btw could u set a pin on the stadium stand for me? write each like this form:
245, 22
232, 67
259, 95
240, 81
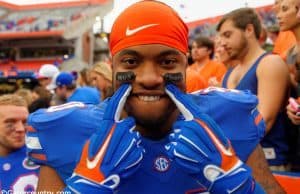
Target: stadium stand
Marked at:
60, 33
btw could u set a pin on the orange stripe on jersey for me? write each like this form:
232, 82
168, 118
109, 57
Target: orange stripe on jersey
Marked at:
258, 118
86, 166
30, 129
229, 159
39, 156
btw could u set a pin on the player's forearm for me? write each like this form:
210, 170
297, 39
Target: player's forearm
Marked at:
262, 173
49, 180
269, 119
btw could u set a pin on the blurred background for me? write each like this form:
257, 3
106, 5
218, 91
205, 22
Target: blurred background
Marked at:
73, 34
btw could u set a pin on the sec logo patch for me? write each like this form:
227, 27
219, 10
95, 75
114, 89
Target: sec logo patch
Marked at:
161, 164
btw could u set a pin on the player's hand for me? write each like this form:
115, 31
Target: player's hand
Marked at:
199, 146
112, 153
293, 112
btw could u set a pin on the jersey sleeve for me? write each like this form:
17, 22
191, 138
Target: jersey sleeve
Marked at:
237, 115
56, 135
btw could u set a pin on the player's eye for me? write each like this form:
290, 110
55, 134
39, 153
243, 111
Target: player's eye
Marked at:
227, 34
129, 62
10, 125
284, 8
168, 62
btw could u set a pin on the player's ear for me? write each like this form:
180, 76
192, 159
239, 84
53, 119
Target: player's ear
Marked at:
249, 30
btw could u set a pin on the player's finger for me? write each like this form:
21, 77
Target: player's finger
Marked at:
185, 104
116, 103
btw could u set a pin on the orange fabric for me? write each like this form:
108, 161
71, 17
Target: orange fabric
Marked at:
83, 167
151, 27
30, 129
39, 156
283, 43
210, 69
194, 81
289, 183
258, 118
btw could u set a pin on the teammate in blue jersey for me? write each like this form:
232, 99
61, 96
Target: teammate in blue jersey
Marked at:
17, 173
56, 135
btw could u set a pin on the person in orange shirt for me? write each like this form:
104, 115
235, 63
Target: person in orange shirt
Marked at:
202, 53
195, 81
285, 39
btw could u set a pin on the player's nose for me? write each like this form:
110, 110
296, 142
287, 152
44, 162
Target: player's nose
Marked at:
20, 127
149, 76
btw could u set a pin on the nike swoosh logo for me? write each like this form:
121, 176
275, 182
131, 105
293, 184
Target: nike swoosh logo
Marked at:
221, 147
93, 163
167, 147
130, 32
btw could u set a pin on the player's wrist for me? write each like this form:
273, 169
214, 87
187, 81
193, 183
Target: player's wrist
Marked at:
77, 184
238, 180
87, 189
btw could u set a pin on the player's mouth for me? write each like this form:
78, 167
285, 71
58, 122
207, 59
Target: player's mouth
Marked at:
19, 138
148, 98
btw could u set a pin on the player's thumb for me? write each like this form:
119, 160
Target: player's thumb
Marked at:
116, 103
185, 104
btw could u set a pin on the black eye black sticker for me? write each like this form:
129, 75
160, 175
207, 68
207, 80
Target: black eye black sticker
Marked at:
125, 76
173, 77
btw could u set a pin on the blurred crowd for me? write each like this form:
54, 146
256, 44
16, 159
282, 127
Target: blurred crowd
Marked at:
55, 87
39, 20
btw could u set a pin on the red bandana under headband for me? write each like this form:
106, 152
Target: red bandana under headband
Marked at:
148, 22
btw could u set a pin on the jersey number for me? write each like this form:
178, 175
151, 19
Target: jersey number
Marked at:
25, 183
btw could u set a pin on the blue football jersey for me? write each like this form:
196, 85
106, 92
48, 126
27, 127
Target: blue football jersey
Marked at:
161, 175
17, 173
236, 113
55, 136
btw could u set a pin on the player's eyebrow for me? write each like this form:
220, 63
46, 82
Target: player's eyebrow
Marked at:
128, 52
169, 52
8, 120
161, 54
